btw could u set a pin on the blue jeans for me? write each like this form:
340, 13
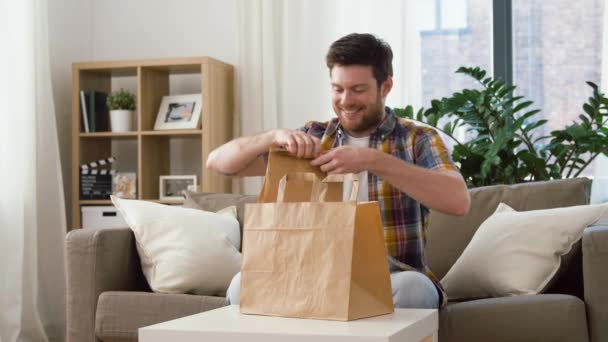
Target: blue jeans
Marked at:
411, 290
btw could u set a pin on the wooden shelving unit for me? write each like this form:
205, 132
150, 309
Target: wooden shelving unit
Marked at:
153, 81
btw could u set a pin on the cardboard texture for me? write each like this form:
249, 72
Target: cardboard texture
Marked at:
307, 254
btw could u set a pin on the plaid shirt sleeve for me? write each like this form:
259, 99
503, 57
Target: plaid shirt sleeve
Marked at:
430, 151
306, 128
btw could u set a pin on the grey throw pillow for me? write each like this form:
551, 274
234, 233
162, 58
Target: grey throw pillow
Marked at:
212, 201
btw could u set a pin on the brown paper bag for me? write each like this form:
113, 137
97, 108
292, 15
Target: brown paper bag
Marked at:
309, 255
279, 164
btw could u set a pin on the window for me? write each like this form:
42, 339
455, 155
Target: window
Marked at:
556, 48
443, 52
442, 16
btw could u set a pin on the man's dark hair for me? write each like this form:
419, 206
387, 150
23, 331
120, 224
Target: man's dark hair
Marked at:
362, 49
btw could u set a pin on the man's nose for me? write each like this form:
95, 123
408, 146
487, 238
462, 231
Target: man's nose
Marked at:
346, 99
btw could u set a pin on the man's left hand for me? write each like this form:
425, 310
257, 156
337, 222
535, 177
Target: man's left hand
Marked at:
344, 159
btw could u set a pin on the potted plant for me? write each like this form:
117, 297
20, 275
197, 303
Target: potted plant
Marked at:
122, 106
505, 147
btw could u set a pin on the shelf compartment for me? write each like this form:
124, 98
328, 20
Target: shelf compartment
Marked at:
103, 79
100, 146
123, 149
168, 155
94, 149
157, 81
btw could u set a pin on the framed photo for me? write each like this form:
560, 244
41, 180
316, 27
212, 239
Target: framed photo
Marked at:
172, 187
179, 112
124, 185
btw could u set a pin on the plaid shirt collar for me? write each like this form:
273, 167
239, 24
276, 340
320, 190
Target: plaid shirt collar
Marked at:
383, 131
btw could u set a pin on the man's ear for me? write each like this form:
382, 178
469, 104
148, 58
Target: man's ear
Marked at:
386, 86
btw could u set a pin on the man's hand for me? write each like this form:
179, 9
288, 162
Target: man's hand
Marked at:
344, 159
297, 143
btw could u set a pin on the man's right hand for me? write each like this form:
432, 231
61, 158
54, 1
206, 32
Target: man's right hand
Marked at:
243, 156
297, 143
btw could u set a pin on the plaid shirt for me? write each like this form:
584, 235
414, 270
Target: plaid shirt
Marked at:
404, 219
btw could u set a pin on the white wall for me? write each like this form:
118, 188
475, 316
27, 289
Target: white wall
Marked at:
137, 29
69, 41
86, 30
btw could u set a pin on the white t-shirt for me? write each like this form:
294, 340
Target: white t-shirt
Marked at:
362, 196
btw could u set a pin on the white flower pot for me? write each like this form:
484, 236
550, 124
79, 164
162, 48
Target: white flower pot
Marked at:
121, 120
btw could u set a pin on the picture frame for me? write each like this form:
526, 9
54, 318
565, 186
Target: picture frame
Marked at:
124, 185
179, 112
172, 187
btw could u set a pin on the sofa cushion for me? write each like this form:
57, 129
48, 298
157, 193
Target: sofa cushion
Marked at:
211, 201
547, 317
447, 236
184, 250
120, 314
517, 253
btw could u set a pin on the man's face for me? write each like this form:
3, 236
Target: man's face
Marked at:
356, 99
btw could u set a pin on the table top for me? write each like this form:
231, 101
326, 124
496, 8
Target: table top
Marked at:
228, 324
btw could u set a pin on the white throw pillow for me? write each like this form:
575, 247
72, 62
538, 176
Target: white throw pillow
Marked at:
517, 253
184, 250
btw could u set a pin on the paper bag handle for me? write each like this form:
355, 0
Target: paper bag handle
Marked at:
321, 195
294, 176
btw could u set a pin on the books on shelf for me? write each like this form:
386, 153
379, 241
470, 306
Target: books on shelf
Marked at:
85, 115
95, 113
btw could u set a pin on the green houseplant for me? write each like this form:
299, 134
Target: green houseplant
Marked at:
505, 147
122, 106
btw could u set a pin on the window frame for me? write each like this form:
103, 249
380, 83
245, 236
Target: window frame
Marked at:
502, 45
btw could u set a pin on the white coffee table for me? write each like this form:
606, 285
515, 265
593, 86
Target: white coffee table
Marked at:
229, 325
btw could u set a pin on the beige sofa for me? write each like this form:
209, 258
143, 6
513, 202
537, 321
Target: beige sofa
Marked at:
108, 298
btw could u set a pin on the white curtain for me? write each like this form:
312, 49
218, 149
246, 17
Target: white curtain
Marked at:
282, 77
32, 209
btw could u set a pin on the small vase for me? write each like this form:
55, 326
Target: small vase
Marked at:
121, 120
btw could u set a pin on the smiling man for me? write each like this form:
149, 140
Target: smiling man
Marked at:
403, 166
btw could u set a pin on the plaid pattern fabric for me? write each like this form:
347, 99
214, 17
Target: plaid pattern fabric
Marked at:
404, 218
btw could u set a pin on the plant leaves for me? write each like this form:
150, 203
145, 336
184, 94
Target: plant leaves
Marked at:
504, 144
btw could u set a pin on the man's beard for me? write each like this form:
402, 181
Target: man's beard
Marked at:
369, 120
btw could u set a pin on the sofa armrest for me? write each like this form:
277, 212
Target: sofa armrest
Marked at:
97, 260
595, 279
